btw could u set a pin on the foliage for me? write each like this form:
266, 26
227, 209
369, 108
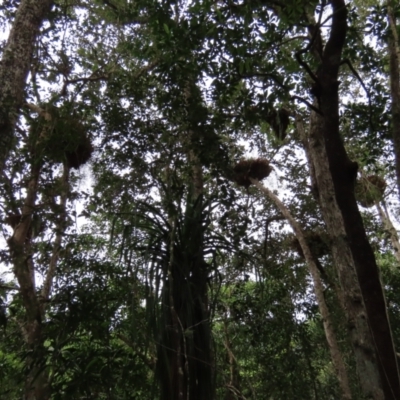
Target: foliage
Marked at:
160, 88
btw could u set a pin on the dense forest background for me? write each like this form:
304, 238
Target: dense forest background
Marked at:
199, 199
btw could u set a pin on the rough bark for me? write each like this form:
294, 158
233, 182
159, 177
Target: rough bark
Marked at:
303, 136
15, 65
394, 73
352, 299
336, 355
335, 175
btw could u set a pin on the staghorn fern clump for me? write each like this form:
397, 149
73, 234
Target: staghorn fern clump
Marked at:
258, 168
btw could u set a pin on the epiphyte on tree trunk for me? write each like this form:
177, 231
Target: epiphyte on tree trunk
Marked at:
258, 168
370, 190
279, 122
62, 137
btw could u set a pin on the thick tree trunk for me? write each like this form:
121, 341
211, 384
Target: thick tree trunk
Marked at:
335, 175
357, 321
336, 355
201, 372
189, 337
170, 366
15, 65
185, 352
394, 68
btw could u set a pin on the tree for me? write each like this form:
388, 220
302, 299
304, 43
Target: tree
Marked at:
180, 276
343, 219
394, 68
15, 66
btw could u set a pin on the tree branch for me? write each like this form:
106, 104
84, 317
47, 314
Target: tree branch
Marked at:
60, 229
318, 289
318, 111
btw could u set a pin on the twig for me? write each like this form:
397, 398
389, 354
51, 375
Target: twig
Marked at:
307, 103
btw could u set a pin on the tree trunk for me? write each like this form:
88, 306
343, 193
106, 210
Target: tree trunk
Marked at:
336, 355
354, 307
15, 65
201, 360
185, 353
37, 385
36, 381
233, 386
188, 340
394, 72
335, 176
390, 229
